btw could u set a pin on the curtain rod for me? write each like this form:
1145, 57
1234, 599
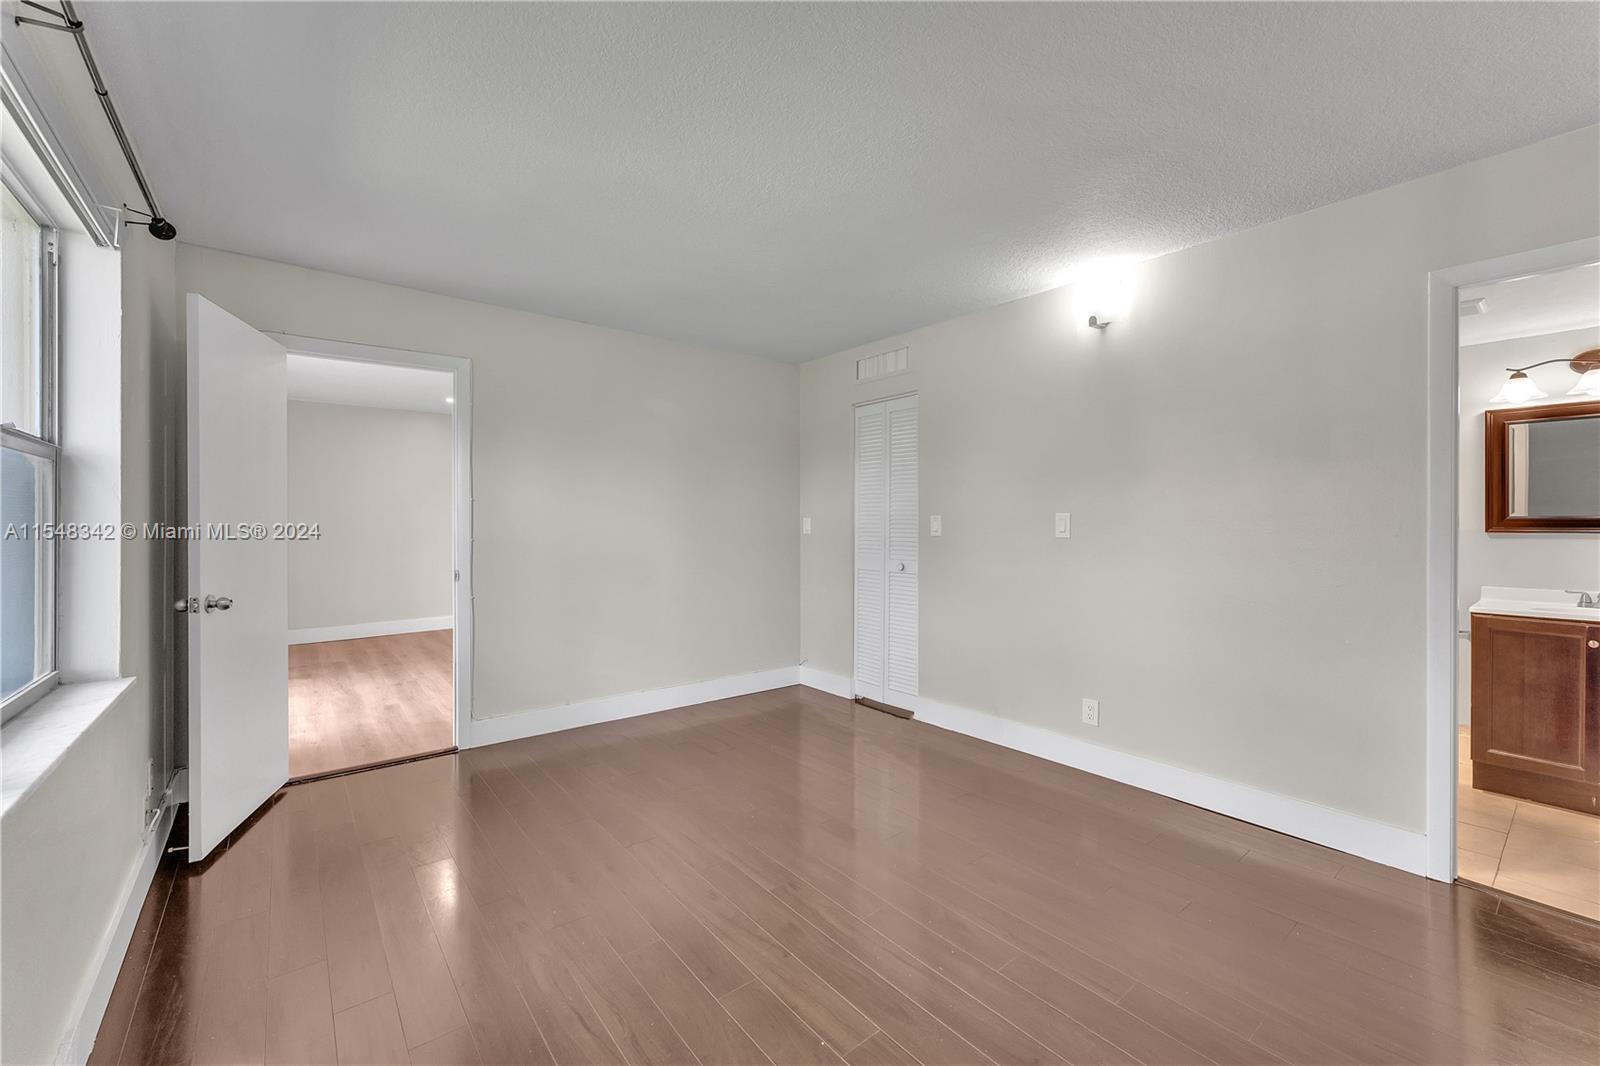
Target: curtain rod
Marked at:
159, 227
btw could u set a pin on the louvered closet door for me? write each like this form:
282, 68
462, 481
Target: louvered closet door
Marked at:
900, 643
887, 527
872, 533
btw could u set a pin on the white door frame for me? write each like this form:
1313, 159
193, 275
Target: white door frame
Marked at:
461, 369
1443, 521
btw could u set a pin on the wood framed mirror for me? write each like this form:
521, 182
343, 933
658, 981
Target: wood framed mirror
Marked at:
1542, 468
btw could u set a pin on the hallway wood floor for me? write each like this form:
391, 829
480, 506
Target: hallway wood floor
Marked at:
371, 700
789, 878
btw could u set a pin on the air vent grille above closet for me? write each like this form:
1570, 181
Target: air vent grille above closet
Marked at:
882, 365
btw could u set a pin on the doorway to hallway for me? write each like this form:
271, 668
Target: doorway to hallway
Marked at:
371, 590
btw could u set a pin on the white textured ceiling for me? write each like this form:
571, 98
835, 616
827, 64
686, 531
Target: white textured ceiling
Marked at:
348, 381
794, 179
1534, 305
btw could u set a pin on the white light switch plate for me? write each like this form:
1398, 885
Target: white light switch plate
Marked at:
805, 525
1063, 524
935, 525
1091, 712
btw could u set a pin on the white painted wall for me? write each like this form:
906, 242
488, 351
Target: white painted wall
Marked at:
1244, 459
377, 483
634, 498
67, 853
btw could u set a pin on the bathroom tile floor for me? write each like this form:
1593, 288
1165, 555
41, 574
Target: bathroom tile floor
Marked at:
1542, 853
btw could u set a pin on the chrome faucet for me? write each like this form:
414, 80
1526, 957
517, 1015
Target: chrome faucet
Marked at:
1586, 599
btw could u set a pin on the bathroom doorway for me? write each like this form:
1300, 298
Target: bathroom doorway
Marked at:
1526, 580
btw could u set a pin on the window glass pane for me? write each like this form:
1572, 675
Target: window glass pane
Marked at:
21, 317
27, 491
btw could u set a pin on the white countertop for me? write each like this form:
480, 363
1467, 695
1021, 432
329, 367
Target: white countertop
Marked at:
1534, 603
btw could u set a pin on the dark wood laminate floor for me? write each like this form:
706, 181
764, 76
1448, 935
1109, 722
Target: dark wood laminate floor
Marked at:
789, 878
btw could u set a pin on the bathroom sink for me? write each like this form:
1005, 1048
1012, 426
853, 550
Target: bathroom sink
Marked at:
1546, 606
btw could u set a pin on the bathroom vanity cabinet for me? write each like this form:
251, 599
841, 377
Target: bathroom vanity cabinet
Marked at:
1536, 709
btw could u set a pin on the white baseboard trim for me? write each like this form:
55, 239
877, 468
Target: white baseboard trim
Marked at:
1350, 833
90, 1009
834, 684
321, 634
535, 723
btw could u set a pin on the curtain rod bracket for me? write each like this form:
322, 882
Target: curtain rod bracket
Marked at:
22, 21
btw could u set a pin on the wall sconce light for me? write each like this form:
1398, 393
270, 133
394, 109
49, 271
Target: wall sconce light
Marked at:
1520, 388
1587, 364
1102, 291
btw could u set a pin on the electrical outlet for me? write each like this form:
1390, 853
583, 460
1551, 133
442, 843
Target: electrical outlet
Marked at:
805, 526
935, 525
1063, 525
1091, 712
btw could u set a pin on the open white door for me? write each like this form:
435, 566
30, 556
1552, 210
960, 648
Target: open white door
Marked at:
238, 573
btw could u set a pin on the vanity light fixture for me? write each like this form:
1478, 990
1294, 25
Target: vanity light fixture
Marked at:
1520, 388
1588, 385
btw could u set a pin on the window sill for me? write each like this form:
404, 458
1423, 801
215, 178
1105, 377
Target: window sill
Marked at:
36, 741
28, 695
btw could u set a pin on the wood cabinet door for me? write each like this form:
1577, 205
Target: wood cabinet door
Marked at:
1534, 696
1592, 705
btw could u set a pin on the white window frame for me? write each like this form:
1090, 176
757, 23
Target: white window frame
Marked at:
45, 446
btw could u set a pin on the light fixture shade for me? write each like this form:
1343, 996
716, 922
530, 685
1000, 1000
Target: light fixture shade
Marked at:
1103, 290
1588, 384
1519, 388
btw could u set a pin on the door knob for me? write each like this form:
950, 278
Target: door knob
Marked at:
217, 603
186, 605
1594, 644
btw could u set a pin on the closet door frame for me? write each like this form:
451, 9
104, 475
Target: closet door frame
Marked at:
881, 694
